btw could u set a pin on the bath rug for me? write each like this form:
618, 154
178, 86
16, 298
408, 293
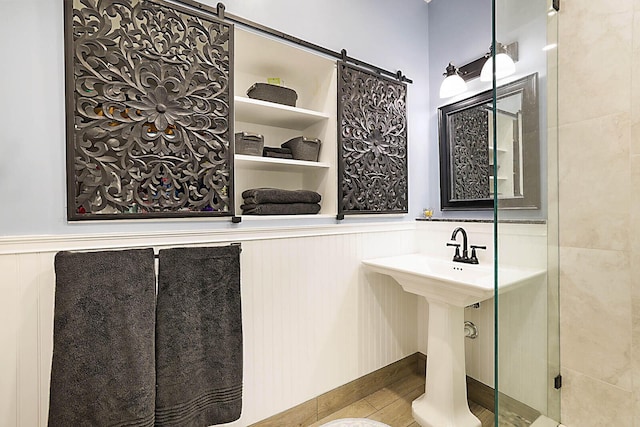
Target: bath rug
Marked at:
354, 422
198, 337
280, 209
277, 195
103, 371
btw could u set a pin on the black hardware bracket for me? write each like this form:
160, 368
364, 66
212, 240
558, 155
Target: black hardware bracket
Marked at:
220, 11
472, 69
236, 219
557, 382
556, 5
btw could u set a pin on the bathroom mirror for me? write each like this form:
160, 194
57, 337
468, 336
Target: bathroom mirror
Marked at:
467, 169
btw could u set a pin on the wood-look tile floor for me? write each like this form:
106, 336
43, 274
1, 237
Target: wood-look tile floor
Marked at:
392, 405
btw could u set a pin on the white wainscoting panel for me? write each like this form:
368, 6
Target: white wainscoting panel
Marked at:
312, 319
9, 319
26, 338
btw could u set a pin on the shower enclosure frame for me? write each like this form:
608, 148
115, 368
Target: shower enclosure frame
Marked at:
508, 22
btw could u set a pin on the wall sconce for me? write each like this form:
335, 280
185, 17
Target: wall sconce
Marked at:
504, 65
453, 84
482, 67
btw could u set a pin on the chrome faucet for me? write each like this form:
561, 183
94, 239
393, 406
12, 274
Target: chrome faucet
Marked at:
465, 251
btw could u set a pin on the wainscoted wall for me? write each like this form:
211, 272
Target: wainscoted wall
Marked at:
312, 318
522, 319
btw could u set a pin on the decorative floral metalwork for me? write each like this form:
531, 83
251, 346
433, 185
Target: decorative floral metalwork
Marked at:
372, 116
470, 154
148, 104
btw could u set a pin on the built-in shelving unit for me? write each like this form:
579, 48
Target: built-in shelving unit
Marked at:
313, 77
504, 151
500, 151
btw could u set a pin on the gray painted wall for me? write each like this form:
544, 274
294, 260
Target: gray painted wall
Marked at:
460, 32
392, 35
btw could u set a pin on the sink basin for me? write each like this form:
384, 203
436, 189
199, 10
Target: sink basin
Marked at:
449, 282
448, 287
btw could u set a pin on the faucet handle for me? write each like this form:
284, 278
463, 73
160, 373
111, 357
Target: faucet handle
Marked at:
457, 254
474, 258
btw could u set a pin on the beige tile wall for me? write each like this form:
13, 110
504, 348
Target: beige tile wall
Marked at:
599, 211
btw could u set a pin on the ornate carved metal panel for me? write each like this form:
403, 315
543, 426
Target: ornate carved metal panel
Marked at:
149, 110
372, 143
470, 154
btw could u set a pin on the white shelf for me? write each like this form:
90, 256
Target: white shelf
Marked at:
264, 217
278, 115
272, 163
500, 178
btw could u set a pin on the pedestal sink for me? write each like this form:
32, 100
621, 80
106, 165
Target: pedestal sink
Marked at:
448, 287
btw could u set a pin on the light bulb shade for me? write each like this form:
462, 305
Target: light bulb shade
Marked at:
504, 67
451, 86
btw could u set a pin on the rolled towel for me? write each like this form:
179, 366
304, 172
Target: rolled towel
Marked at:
199, 337
256, 196
280, 208
103, 370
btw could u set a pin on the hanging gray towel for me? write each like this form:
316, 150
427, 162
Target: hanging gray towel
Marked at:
198, 337
103, 371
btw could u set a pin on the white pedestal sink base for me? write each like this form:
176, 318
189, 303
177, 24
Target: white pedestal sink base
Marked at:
448, 287
445, 402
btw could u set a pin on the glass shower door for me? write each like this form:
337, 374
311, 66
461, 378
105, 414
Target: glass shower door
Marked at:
523, 131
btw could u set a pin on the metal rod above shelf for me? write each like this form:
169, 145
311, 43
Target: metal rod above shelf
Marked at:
221, 13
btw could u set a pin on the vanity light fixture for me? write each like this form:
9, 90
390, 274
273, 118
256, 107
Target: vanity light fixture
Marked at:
504, 65
506, 58
453, 84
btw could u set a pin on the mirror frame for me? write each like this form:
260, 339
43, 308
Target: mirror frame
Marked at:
528, 87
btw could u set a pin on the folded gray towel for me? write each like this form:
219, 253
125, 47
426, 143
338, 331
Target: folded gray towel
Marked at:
276, 150
277, 155
280, 208
103, 371
276, 195
198, 337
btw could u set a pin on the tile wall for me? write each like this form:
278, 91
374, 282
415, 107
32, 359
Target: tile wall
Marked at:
599, 219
